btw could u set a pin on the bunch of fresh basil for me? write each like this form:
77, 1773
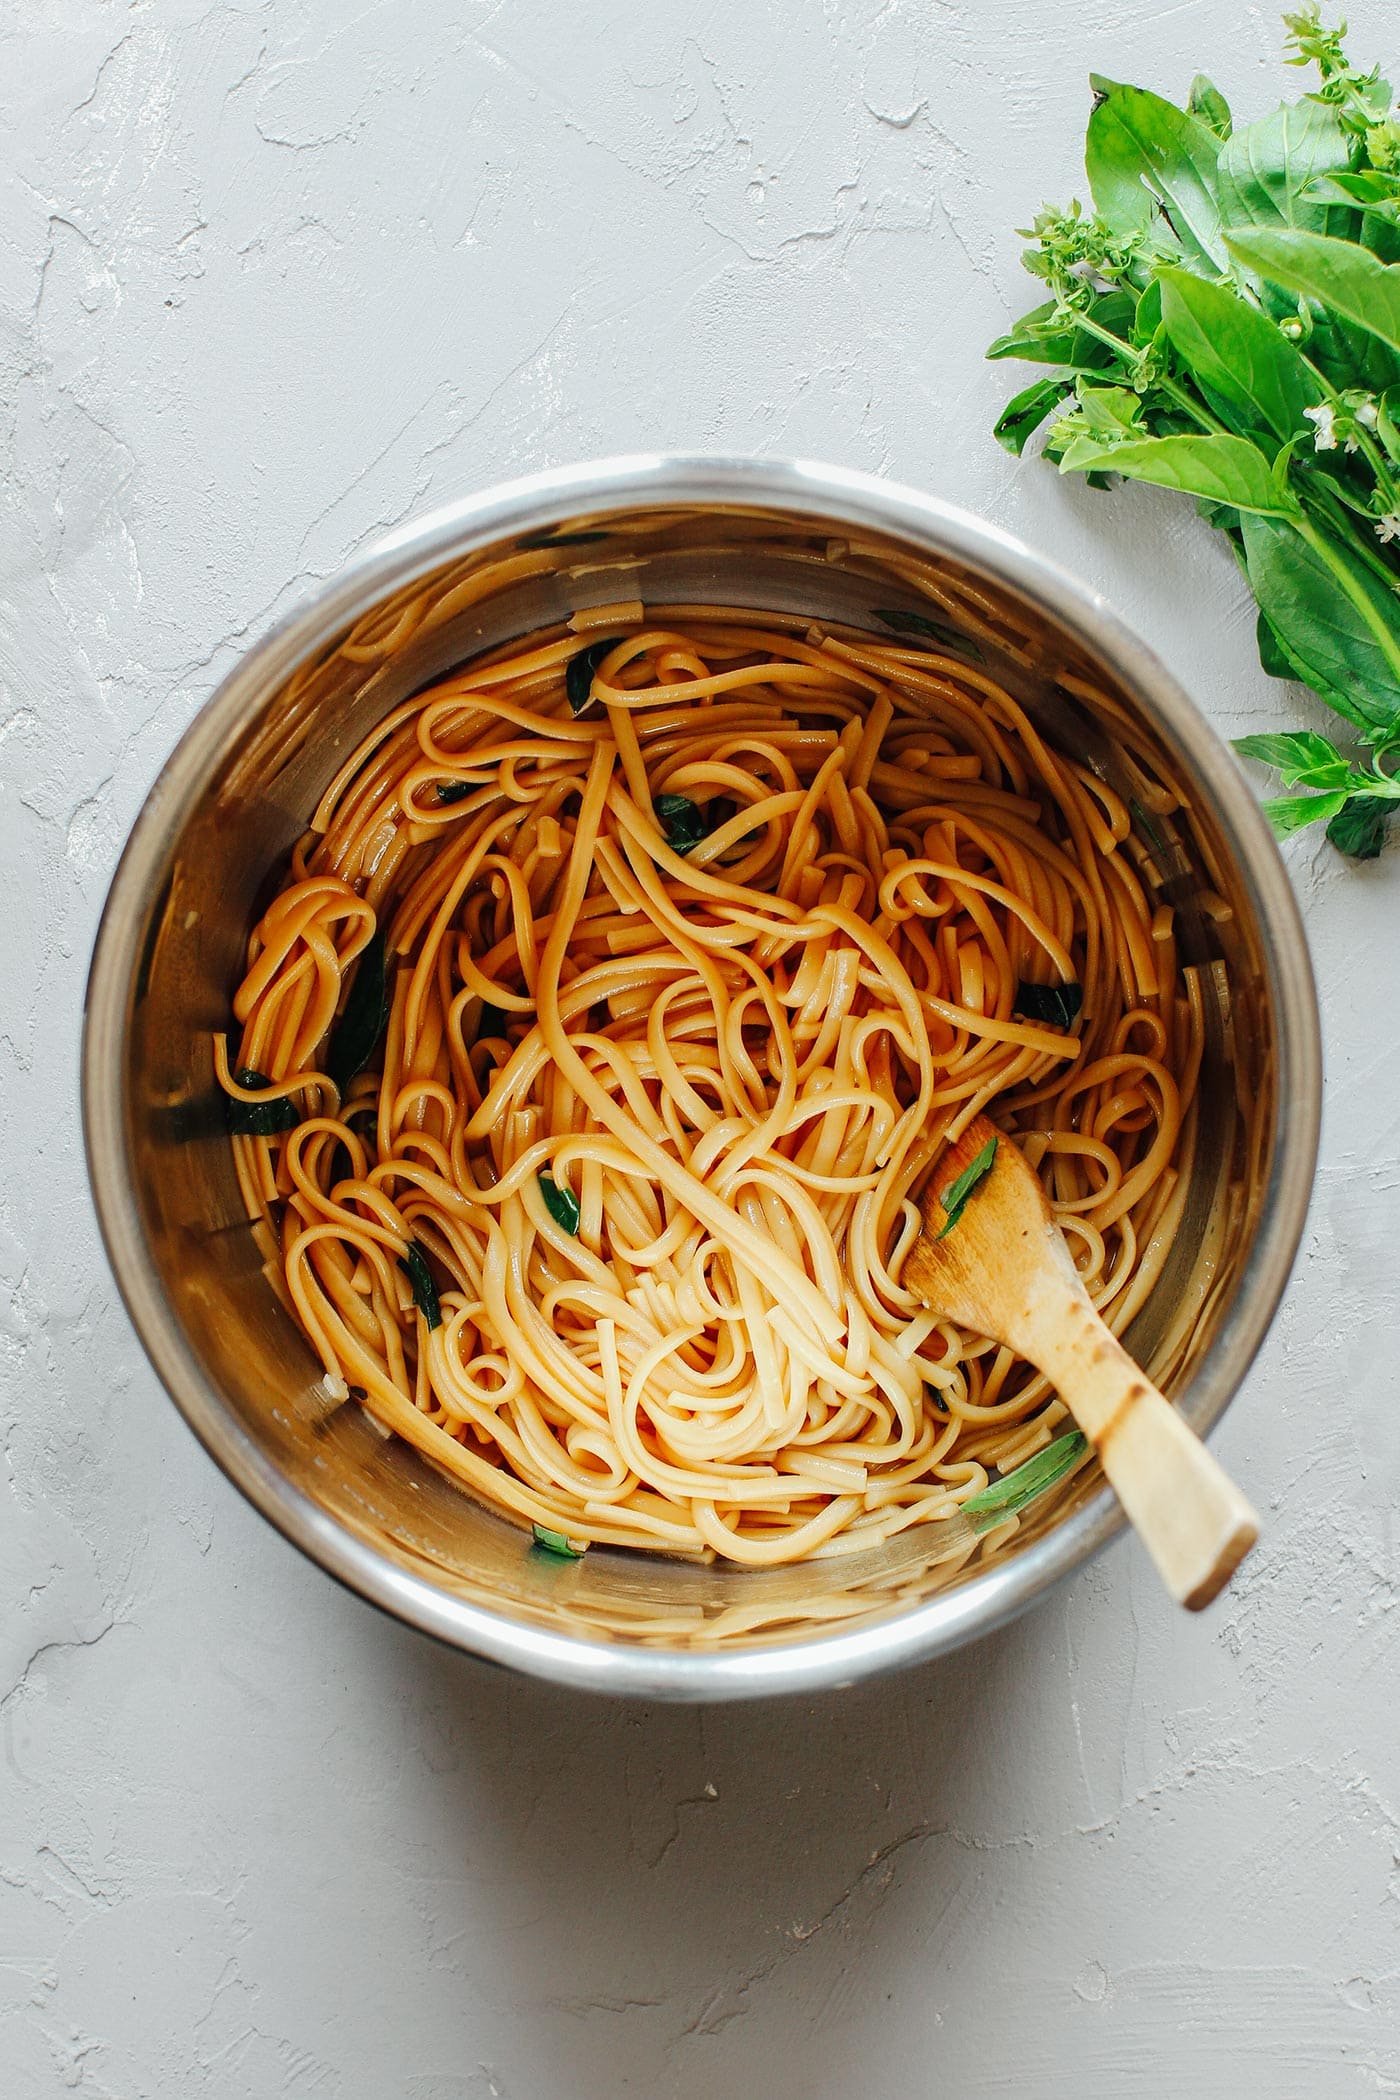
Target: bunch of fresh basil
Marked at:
1226, 321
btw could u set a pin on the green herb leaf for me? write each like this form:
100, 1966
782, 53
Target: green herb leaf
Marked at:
259, 1118
1268, 170
1057, 1003
555, 1542
1026, 411
1222, 469
1235, 285
1206, 103
1361, 829
929, 629
561, 1204
1336, 621
1152, 170
454, 790
1301, 757
1347, 278
1290, 813
415, 1266
578, 679
954, 1197
1372, 189
682, 821
1007, 1497
1044, 337
1251, 375
355, 1035
1272, 654
1110, 411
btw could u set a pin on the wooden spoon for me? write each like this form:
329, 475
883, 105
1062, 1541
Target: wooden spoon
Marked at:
1002, 1269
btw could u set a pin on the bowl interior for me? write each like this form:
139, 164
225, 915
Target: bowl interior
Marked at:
213, 842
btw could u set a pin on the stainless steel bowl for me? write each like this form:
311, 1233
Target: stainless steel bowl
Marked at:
795, 538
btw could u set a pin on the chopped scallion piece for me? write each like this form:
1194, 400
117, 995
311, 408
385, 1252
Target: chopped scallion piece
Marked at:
1007, 1497
561, 1203
555, 1542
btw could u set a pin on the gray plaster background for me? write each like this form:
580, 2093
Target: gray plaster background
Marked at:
272, 278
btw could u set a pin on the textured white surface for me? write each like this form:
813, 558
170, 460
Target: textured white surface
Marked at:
272, 278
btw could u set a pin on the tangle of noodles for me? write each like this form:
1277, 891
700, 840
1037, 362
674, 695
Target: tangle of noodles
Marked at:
735, 1063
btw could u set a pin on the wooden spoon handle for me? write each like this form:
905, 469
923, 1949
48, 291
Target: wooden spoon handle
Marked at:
1193, 1520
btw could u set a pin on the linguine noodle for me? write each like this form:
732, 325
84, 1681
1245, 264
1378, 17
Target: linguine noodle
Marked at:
686, 994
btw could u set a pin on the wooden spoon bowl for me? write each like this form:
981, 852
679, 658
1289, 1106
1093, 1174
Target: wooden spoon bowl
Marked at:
992, 1259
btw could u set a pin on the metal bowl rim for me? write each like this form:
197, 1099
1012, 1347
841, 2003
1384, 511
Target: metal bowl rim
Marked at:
837, 497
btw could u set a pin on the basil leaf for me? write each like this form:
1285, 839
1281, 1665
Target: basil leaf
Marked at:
554, 1542
1301, 758
1111, 411
415, 1266
1337, 649
1371, 188
1026, 411
929, 629
1007, 1497
1248, 371
578, 679
1206, 102
1344, 277
1056, 1003
1147, 318
1289, 813
259, 1118
1272, 654
681, 821
1143, 155
954, 1197
1362, 827
561, 1203
1038, 339
1268, 169
1222, 469
454, 790
356, 1034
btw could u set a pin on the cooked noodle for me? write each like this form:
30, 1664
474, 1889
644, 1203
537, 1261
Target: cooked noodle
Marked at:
739, 1058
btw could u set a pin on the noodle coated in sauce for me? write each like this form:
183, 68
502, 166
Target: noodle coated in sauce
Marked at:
684, 993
